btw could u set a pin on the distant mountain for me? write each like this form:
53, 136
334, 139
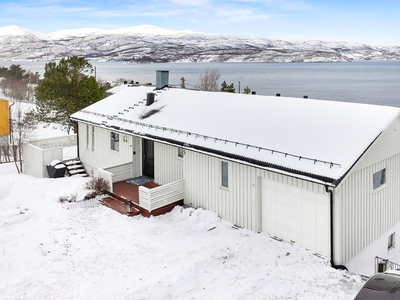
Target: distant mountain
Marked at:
145, 44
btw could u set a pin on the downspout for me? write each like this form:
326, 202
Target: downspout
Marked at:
335, 266
10, 121
77, 140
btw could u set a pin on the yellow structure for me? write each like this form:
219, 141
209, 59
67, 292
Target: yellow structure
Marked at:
4, 118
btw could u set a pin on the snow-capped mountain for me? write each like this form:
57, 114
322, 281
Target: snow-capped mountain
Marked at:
146, 43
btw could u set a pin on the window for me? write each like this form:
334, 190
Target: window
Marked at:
224, 174
181, 152
379, 179
87, 136
391, 241
115, 141
92, 138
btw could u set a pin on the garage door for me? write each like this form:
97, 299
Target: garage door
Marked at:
296, 214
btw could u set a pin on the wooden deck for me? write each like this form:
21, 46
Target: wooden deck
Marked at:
130, 192
125, 194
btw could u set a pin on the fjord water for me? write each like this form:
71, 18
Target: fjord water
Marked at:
373, 82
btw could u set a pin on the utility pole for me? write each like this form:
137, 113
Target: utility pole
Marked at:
239, 86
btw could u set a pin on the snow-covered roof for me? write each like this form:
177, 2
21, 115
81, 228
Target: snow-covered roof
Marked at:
313, 138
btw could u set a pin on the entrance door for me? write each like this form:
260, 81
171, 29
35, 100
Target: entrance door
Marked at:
148, 158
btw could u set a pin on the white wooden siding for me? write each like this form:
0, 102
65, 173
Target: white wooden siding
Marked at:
103, 156
296, 214
160, 196
168, 167
120, 172
38, 154
107, 176
36, 159
240, 203
362, 214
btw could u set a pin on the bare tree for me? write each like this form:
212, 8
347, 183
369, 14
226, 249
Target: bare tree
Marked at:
21, 129
208, 81
18, 89
17, 83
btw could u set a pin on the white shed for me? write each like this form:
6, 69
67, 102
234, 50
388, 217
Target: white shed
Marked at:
322, 174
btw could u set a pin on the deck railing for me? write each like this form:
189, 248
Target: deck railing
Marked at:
160, 196
116, 173
382, 265
107, 176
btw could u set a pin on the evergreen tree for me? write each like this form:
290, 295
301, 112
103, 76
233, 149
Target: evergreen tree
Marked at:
67, 87
247, 90
227, 88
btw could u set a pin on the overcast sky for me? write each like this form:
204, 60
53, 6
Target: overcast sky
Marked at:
367, 21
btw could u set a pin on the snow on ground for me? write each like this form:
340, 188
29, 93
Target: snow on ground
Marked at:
50, 250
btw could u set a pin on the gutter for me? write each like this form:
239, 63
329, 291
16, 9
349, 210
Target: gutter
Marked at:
219, 153
333, 265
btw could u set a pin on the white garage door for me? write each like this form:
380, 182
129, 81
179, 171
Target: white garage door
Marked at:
296, 214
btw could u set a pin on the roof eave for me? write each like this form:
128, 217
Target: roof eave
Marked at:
324, 180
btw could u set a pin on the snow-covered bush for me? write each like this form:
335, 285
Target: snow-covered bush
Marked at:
97, 186
69, 199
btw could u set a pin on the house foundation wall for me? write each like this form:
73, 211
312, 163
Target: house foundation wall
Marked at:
364, 262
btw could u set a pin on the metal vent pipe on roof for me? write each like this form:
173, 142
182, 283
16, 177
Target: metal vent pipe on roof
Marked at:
162, 79
278, 94
305, 97
150, 99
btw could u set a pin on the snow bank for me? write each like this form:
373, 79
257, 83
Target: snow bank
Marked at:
52, 250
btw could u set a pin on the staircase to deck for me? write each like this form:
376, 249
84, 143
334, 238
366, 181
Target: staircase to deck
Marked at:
75, 168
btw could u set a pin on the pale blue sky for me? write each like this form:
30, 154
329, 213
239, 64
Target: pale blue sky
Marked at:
372, 22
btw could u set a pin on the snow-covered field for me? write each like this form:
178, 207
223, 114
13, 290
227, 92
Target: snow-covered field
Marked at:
50, 250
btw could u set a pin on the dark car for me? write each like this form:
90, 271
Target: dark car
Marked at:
381, 286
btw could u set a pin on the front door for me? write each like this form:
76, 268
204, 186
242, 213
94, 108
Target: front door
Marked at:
148, 158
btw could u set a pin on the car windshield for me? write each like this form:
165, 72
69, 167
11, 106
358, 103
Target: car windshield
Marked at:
381, 286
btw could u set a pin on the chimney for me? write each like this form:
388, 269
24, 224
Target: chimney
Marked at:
162, 79
150, 99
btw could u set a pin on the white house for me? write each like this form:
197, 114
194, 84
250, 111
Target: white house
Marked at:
322, 174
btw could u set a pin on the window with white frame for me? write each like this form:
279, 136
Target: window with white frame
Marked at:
379, 179
114, 141
181, 152
391, 241
92, 138
224, 174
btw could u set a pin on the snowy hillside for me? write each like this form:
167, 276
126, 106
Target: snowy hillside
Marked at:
147, 43
50, 250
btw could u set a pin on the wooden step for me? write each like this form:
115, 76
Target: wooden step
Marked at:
119, 206
75, 168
